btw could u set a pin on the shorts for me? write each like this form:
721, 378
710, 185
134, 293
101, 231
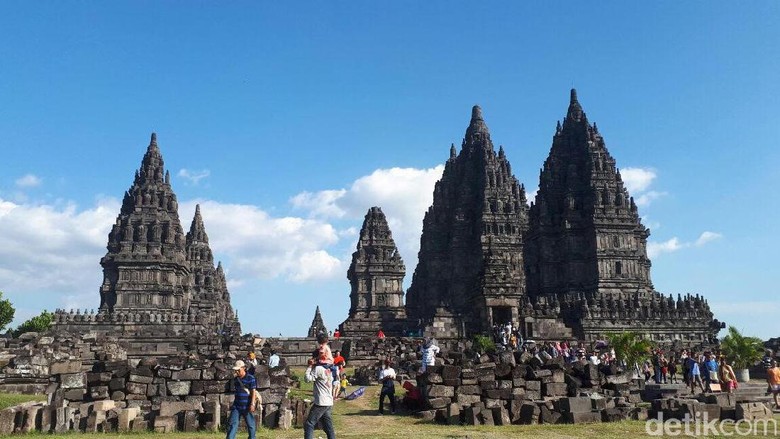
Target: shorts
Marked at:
775, 388
730, 385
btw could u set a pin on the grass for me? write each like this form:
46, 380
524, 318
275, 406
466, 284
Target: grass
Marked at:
12, 399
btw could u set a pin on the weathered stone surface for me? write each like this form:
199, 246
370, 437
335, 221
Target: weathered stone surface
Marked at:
165, 424
172, 408
73, 380
753, 411
179, 388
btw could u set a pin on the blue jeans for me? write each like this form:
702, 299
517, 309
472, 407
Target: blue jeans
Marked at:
234, 420
317, 413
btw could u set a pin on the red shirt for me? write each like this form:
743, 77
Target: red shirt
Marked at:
340, 362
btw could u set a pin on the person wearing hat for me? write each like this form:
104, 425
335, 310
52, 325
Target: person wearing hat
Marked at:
243, 406
322, 404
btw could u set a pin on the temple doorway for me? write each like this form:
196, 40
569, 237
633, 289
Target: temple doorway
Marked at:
501, 314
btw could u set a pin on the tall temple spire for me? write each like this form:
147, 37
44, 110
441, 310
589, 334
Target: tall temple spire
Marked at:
197, 229
574, 113
147, 237
471, 245
317, 325
376, 278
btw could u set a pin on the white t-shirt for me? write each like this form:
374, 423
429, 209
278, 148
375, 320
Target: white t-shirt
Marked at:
323, 385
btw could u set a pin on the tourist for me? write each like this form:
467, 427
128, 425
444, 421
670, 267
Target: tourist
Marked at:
429, 351
325, 358
657, 366
243, 406
340, 363
251, 363
380, 334
322, 401
684, 365
773, 379
273, 360
694, 374
664, 368
413, 398
343, 383
727, 376
647, 370
672, 369
387, 378
336, 334
710, 371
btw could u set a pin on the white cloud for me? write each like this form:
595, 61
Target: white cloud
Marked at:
28, 181
194, 177
706, 237
53, 249
674, 244
637, 179
259, 246
656, 248
404, 194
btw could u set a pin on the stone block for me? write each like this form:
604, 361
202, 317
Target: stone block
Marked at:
555, 389
468, 390
73, 380
503, 370
126, 417
533, 385
98, 392
96, 422
450, 372
285, 419
48, 414
453, 414
581, 418
191, 422
575, 405
143, 379
137, 388
491, 403
471, 416
116, 384
752, 411
165, 424
140, 425
438, 403
172, 408
65, 367
186, 375
179, 388
74, 394
436, 391
118, 395
32, 418
501, 416
548, 416
486, 417
529, 413
212, 415
466, 400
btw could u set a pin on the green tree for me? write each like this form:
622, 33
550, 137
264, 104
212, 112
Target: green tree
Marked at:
742, 351
7, 312
39, 323
629, 347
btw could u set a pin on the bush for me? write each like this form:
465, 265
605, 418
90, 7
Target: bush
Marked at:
483, 344
742, 351
7, 312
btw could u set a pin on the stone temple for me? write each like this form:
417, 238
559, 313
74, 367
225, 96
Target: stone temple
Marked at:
158, 283
573, 265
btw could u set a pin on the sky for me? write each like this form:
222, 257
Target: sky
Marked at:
287, 122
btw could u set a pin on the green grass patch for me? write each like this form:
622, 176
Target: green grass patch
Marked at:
12, 399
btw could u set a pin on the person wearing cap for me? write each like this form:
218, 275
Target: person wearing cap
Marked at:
243, 406
322, 404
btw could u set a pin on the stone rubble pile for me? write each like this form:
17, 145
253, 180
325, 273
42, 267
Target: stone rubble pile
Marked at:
164, 395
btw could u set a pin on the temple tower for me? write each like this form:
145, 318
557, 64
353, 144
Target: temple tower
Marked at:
317, 325
210, 296
146, 265
586, 235
470, 265
586, 250
376, 278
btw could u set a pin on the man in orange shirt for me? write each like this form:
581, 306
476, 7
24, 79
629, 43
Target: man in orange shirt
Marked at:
773, 378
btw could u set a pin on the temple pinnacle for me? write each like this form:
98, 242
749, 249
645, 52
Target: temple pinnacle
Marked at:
476, 113
573, 98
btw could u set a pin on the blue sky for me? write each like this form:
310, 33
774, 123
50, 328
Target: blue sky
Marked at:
287, 122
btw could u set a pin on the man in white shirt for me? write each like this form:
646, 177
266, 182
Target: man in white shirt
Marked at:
387, 378
273, 361
322, 407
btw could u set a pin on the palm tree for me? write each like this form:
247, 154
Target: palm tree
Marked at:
629, 347
742, 351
